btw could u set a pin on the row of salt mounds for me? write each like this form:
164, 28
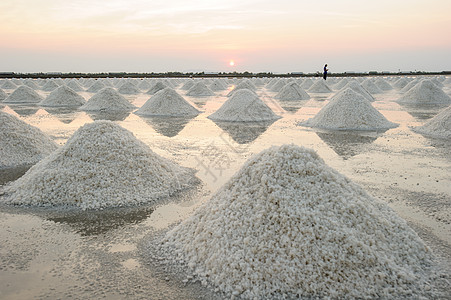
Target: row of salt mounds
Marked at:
129, 88
244, 106
101, 165
200, 89
319, 86
107, 99
167, 102
24, 94
439, 126
21, 143
292, 91
286, 225
425, 92
348, 110
63, 96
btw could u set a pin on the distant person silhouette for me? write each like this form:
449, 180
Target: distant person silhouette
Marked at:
325, 72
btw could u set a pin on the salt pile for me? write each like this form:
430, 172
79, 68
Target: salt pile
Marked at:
3, 95
31, 84
200, 89
128, 88
348, 110
9, 85
383, 84
96, 86
277, 86
288, 226
20, 143
425, 92
49, 86
371, 87
187, 85
63, 96
244, 106
410, 85
107, 99
356, 87
23, 94
158, 86
400, 83
73, 84
167, 102
439, 126
144, 85
306, 84
218, 85
292, 91
101, 165
319, 86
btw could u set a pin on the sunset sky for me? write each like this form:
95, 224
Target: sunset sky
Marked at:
206, 35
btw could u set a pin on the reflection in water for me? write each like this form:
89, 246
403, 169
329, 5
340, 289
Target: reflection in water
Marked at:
423, 112
167, 126
244, 132
24, 111
292, 106
65, 115
94, 222
108, 115
348, 143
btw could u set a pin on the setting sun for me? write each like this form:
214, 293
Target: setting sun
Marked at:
231, 63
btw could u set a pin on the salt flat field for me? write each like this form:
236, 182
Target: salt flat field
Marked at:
263, 188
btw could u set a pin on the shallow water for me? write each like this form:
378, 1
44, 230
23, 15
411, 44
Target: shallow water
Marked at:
51, 253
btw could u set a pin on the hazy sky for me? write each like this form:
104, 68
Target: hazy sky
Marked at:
259, 36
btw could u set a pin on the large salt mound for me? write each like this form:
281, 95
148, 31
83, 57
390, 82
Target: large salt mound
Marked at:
319, 86
107, 99
128, 88
167, 102
244, 106
63, 96
425, 92
291, 91
20, 143
101, 165
288, 226
200, 89
439, 126
349, 110
356, 87
23, 94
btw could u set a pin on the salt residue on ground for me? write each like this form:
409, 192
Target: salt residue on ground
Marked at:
21, 143
425, 92
439, 126
101, 165
167, 102
107, 99
63, 96
287, 225
349, 110
244, 106
23, 94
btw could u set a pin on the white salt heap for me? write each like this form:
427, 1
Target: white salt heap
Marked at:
348, 110
383, 84
49, 86
3, 95
9, 85
439, 126
292, 91
107, 99
288, 226
23, 94
319, 86
244, 106
129, 88
101, 165
73, 84
96, 86
167, 102
20, 143
425, 92
356, 87
200, 89
63, 96
157, 86
370, 86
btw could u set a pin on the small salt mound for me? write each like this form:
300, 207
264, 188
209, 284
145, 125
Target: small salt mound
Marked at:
369, 85
286, 225
341, 84
9, 85
107, 99
96, 86
383, 84
348, 110
356, 87
400, 83
158, 86
439, 126
101, 165
200, 89
23, 94
63, 96
242, 85
31, 84
167, 102
410, 85
128, 88
73, 84
218, 85
3, 95
276, 87
20, 143
306, 84
319, 86
292, 91
244, 106
144, 85
49, 86
187, 85
425, 92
